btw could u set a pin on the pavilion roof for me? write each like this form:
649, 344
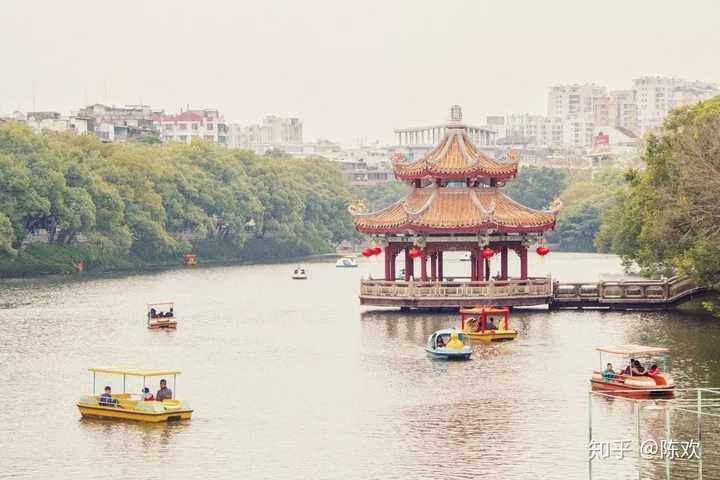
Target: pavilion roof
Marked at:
455, 157
455, 210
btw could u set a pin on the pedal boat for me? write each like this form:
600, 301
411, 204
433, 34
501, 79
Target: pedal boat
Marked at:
660, 384
132, 407
475, 323
299, 274
168, 321
451, 346
346, 262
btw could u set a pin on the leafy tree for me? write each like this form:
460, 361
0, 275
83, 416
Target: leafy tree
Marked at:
536, 187
666, 218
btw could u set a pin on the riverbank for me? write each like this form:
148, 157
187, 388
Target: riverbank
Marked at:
40, 260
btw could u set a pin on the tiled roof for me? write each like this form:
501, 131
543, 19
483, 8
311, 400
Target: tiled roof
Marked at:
455, 157
455, 209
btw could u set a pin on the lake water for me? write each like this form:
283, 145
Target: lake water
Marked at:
294, 380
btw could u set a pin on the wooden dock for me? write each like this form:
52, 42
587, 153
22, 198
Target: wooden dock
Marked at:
458, 292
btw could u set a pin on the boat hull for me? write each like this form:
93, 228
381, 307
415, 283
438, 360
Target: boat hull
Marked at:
98, 411
614, 387
492, 335
449, 354
162, 323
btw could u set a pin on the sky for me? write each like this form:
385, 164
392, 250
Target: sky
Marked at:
349, 70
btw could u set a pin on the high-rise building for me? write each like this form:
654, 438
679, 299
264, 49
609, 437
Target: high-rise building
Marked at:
274, 132
574, 100
656, 96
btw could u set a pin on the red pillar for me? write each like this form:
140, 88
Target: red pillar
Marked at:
479, 265
440, 266
392, 264
408, 264
423, 267
388, 255
523, 262
433, 267
504, 263
411, 265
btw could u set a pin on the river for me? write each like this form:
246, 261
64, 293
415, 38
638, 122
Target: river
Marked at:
294, 379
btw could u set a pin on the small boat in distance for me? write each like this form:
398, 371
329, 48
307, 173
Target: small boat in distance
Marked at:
448, 344
346, 262
161, 315
486, 323
634, 380
128, 406
299, 274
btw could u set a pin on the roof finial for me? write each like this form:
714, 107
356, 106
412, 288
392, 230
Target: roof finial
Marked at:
455, 114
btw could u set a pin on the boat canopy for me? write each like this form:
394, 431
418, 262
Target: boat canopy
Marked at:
632, 350
483, 309
135, 372
157, 304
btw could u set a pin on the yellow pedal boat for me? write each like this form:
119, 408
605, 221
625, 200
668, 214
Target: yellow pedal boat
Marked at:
159, 319
127, 406
486, 323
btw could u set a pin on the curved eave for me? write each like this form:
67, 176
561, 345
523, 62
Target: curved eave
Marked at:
479, 173
470, 229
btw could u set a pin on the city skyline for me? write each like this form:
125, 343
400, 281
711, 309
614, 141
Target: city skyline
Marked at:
388, 66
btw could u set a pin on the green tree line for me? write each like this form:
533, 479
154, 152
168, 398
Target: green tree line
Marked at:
113, 204
666, 218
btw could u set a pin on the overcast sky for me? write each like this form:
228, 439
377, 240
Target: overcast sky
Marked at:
348, 69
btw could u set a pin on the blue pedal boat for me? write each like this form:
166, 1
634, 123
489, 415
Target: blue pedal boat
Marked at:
448, 344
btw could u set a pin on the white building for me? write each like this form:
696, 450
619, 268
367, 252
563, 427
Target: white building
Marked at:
656, 96
274, 132
187, 126
565, 101
526, 129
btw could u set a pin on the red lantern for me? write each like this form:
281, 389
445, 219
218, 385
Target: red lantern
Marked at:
542, 250
487, 252
376, 250
415, 252
367, 252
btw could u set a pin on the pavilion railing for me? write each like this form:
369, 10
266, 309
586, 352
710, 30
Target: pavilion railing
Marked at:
646, 291
457, 288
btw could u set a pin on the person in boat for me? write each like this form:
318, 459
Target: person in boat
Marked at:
491, 324
171, 313
474, 324
653, 370
147, 395
441, 341
637, 368
106, 399
152, 313
164, 393
628, 367
609, 372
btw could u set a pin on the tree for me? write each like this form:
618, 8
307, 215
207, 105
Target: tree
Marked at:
667, 218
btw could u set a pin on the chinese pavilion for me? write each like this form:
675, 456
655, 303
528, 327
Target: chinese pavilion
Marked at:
456, 204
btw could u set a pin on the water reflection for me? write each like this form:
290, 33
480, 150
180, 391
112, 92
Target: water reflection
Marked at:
296, 380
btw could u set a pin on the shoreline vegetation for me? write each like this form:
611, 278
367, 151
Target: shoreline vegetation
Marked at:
67, 199
70, 202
